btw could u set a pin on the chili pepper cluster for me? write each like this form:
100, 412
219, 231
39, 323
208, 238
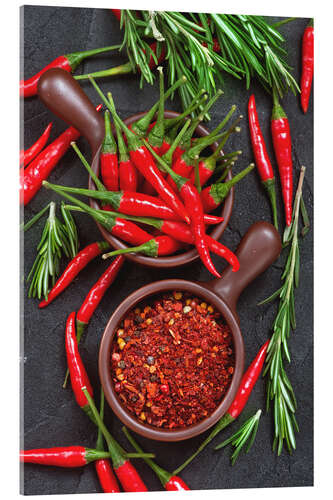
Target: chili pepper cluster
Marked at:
172, 362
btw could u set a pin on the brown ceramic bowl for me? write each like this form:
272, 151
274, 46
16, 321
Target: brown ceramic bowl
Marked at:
64, 96
258, 249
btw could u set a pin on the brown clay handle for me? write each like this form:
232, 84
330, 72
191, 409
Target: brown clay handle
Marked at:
259, 248
65, 98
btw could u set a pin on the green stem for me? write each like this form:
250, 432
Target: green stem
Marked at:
109, 144
75, 58
197, 174
34, 219
99, 442
156, 134
219, 190
163, 475
100, 186
167, 157
269, 185
123, 69
149, 248
178, 179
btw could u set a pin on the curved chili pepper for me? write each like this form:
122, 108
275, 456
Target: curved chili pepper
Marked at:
68, 62
168, 480
95, 295
39, 169
80, 261
62, 456
307, 65
248, 381
193, 204
125, 471
261, 156
213, 195
29, 154
109, 158
77, 372
144, 162
282, 148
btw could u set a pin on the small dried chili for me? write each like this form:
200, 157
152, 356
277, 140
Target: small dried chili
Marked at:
172, 362
80, 261
29, 154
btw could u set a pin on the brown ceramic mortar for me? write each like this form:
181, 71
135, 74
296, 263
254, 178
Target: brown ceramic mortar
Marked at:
258, 249
65, 98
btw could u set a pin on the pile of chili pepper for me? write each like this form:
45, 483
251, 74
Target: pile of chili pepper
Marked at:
147, 170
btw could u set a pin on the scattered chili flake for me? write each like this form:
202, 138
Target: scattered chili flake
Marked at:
192, 362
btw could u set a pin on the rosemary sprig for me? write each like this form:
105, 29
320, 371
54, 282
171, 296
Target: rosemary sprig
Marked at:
204, 46
246, 432
279, 388
57, 239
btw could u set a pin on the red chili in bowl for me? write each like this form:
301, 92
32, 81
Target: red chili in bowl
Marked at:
172, 361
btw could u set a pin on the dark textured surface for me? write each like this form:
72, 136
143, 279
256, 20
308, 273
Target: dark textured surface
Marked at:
50, 416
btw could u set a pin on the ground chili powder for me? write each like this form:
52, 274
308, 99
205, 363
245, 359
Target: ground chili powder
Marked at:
172, 361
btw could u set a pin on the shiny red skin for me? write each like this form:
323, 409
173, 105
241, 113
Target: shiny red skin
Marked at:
97, 292
79, 262
106, 476
129, 478
28, 87
109, 171
180, 167
117, 13
248, 381
78, 375
176, 483
193, 204
261, 156
144, 162
29, 154
205, 173
70, 456
167, 245
128, 176
39, 169
208, 202
282, 148
307, 66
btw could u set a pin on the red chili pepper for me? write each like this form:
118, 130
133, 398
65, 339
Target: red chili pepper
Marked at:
248, 381
168, 480
68, 62
307, 65
96, 294
182, 232
64, 456
80, 261
261, 156
282, 148
103, 466
128, 174
29, 154
109, 158
144, 162
125, 471
32, 177
77, 372
213, 195
193, 204
155, 247
117, 13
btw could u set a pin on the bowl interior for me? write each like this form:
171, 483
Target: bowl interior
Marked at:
141, 295
185, 257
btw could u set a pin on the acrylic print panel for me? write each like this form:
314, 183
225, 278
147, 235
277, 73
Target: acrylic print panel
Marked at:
51, 416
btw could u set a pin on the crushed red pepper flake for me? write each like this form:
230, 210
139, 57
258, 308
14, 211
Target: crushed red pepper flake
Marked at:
173, 380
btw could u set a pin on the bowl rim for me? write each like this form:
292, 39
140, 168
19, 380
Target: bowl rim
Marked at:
104, 363
180, 259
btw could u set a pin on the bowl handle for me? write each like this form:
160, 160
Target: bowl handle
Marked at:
65, 98
258, 249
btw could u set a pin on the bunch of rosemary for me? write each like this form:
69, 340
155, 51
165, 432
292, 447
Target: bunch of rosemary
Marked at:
204, 46
279, 388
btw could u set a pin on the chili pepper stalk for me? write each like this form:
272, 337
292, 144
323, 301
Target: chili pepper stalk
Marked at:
156, 134
169, 481
68, 62
261, 157
248, 381
126, 473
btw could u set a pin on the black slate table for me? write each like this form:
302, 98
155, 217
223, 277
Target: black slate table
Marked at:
49, 414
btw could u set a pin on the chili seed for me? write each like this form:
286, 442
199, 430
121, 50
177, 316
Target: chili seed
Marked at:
142, 416
120, 332
122, 364
203, 305
150, 360
121, 343
116, 356
187, 309
177, 295
149, 321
